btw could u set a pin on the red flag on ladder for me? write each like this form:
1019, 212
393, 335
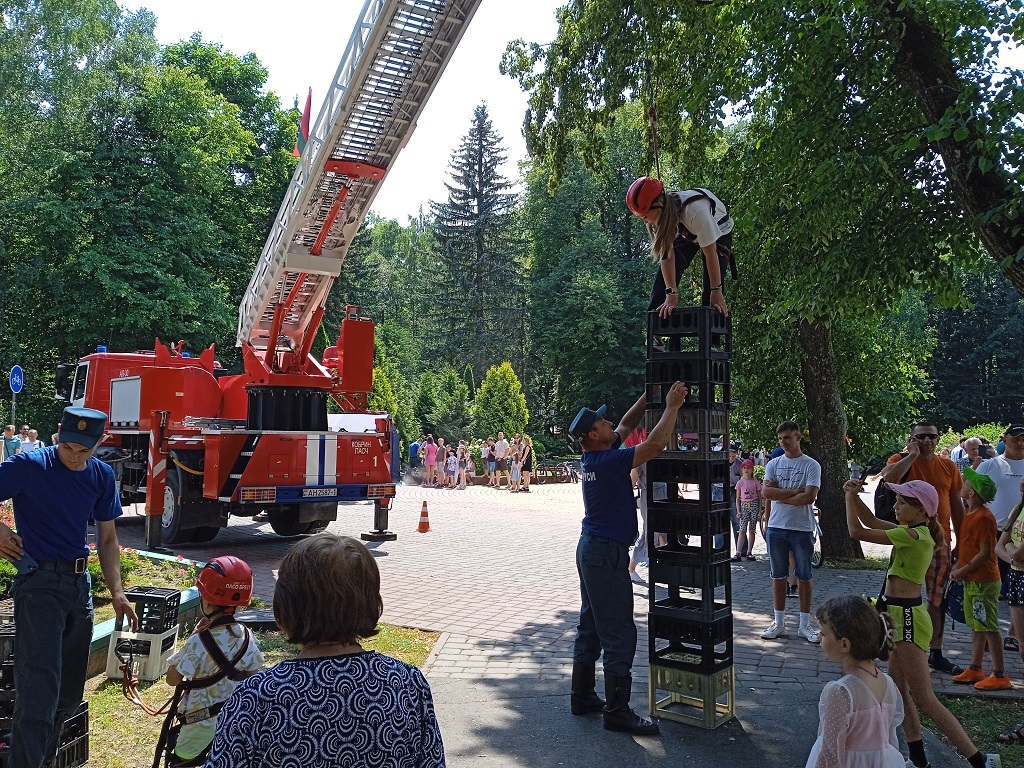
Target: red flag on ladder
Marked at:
303, 135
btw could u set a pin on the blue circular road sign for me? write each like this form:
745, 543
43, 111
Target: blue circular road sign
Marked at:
17, 379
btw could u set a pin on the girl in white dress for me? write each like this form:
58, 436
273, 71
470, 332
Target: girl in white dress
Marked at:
859, 712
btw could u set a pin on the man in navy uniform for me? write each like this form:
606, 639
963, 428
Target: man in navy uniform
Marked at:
56, 491
602, 558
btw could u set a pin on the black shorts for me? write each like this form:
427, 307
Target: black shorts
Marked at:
684, 253
500, 465
1015, 588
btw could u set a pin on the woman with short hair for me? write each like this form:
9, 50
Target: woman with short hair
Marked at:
335, 704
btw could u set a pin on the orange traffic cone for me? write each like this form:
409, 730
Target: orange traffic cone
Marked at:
424, 526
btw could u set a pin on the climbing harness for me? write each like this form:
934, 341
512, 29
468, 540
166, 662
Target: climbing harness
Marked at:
173, 720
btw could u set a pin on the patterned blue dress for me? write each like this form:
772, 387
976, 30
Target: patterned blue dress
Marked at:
363, 709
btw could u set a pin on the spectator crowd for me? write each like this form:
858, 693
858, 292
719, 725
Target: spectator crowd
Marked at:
492, 462
23, 441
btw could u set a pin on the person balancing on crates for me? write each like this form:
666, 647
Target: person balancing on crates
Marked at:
680, 225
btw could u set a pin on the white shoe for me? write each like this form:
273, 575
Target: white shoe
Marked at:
774, 631
809, 634
992, 760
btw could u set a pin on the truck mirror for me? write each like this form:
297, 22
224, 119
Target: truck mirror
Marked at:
62, 382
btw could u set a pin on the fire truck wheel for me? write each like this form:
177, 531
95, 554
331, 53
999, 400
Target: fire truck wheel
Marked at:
285, 522
204, 534
172, 532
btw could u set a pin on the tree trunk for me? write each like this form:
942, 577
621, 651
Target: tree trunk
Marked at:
925, 63
828, 424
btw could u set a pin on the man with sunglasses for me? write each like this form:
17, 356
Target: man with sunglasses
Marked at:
922, 462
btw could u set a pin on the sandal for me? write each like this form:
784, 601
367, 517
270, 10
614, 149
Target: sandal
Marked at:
1011, 644
1013, 736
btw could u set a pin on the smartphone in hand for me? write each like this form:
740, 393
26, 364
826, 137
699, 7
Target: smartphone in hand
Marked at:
25, 565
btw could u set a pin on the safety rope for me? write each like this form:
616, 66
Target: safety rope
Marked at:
652, 115
130, 683
191, 471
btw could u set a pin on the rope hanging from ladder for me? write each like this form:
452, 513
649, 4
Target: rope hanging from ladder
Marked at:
652, 116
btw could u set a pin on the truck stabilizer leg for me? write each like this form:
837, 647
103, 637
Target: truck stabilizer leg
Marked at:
380, 523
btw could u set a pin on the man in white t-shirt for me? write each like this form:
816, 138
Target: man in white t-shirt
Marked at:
791, 483
501, 449
32, 442
1008, 471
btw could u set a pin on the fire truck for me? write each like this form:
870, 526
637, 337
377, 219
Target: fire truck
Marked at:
199, 444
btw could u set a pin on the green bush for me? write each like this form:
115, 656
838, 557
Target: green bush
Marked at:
759, 473
7, 574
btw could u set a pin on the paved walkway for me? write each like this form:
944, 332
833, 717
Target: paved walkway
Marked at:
496, 577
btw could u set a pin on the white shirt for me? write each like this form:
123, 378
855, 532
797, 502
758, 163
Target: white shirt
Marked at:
1007, 474
31, 445
698, 219
800, 472
501, 449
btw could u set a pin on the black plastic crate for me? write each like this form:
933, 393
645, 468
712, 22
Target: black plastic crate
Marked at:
681, 641
690, 367
73, 754
685, 520
156, 607
77, 725
666, 475
699, 591
698, 329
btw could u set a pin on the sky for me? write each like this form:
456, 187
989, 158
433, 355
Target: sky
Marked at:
302, 49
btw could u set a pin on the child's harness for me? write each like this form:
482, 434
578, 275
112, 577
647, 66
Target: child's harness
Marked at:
704, 194
226, 668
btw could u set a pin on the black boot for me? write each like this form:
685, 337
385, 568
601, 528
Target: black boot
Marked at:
584, 699
617, 714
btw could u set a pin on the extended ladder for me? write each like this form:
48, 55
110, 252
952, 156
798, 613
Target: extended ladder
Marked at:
397, 52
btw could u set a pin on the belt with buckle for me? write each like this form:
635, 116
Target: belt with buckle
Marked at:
78, 566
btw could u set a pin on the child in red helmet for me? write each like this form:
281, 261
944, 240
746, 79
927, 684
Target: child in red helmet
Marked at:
224, 583
680, 225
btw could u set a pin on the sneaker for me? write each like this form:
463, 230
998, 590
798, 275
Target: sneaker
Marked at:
994, 683
774, 631
942, 664
992, 760
810, 634
970, 675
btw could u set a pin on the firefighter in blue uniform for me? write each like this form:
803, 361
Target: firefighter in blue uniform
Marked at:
56, 492
602, 558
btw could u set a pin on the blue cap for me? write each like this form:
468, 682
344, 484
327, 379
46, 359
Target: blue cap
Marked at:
84, 426
585, 420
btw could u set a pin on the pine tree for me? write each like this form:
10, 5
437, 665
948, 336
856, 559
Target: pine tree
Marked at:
479, 287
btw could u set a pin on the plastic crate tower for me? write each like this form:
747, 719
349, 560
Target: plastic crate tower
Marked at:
690, 609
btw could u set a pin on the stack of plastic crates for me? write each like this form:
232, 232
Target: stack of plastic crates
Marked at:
157, 609
690, 611
73, 746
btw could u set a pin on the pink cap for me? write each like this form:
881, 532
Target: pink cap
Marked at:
920, 490
747, 464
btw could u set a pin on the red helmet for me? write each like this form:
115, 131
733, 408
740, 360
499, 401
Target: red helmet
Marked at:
642, 193
226, 581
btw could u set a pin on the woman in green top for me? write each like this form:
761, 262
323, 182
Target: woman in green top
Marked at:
913, 540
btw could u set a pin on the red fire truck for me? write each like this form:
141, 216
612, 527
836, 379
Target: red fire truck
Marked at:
200, 444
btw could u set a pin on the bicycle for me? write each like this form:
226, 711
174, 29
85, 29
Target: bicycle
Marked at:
817, 556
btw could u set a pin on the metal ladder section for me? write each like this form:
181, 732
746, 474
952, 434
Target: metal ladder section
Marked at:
393, 60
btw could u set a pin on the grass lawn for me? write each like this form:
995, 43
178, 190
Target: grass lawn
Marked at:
984, 719
123, 736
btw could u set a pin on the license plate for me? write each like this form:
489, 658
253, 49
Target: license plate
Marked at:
312, 493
